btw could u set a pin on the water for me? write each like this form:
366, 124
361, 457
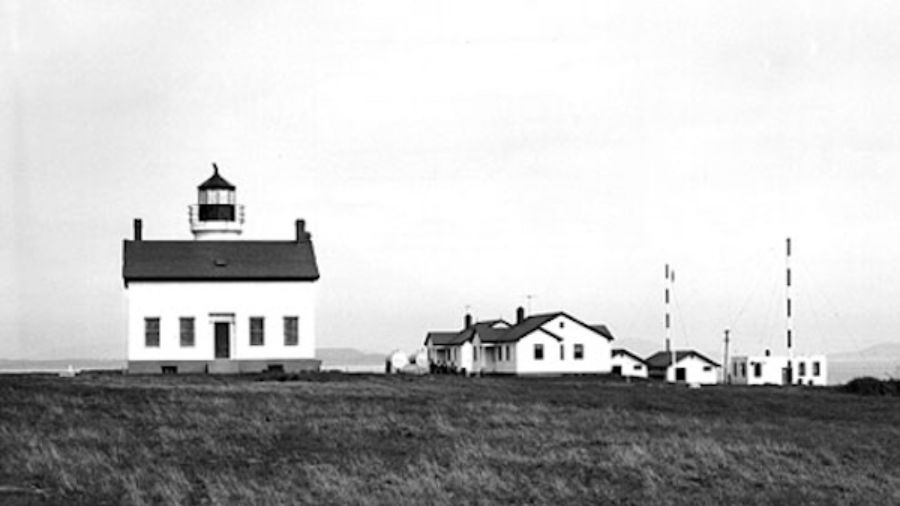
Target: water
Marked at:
840, 372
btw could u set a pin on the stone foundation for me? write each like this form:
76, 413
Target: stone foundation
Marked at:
293, 365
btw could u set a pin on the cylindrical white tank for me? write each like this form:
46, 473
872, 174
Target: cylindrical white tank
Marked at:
420, 358
398, 360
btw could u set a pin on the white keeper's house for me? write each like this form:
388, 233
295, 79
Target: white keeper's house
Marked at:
551, 343
217, 303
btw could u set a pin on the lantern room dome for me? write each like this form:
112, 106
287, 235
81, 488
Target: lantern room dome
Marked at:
216, 182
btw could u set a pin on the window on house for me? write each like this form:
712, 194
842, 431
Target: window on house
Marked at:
186, 326
562, 352
757, 370
743, 369
562, 325
680, 374
816, 370
802, 368
579, 351
539, 352
257, 331
707, 368
290, 330
735, 366
638, 367
151, 332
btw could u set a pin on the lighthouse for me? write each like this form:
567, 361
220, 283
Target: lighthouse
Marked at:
219, 303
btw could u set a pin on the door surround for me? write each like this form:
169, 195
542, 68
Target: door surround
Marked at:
216, 319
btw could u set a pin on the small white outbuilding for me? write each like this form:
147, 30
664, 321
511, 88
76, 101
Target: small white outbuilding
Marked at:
627, 364
690, 367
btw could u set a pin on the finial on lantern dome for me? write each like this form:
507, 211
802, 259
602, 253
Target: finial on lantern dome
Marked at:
215, 169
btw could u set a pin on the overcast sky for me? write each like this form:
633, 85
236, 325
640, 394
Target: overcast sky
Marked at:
465, 153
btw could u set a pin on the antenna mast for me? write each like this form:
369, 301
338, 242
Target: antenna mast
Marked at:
787, 291
670, 285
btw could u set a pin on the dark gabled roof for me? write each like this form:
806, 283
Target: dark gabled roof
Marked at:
488, 331
491, 330
449, 338
441, 338
219, 261
623, 351
523, 328
455, 338
662, 359
216, 182
603, 330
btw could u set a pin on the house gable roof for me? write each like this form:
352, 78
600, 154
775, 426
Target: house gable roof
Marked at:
601, 329
489, 331
662, 359
440, 338
626, 353
219, 261
522, 329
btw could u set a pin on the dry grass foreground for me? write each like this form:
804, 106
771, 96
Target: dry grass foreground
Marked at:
343, 439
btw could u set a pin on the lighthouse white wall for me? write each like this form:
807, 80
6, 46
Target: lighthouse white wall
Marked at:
169, 301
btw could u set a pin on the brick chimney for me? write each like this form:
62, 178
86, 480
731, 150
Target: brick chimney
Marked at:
302, 234
138, 229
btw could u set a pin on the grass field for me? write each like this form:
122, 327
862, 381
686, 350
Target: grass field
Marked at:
345, 439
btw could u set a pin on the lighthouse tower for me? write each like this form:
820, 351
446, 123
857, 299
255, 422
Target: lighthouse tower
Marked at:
216, 215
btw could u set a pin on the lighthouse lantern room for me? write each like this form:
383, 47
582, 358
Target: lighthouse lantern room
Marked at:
216, 215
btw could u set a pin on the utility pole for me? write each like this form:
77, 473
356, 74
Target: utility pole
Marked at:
727, 376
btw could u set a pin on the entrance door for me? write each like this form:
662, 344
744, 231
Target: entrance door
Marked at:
223, 349
680, 374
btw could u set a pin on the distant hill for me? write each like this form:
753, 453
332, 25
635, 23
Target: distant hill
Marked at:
886, 352
348, 356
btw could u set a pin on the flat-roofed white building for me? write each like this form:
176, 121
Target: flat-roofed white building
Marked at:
768, 369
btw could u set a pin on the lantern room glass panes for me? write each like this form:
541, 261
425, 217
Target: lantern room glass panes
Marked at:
216, 197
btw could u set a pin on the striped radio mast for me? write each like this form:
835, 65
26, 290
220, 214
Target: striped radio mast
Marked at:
789, 324
670, 285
